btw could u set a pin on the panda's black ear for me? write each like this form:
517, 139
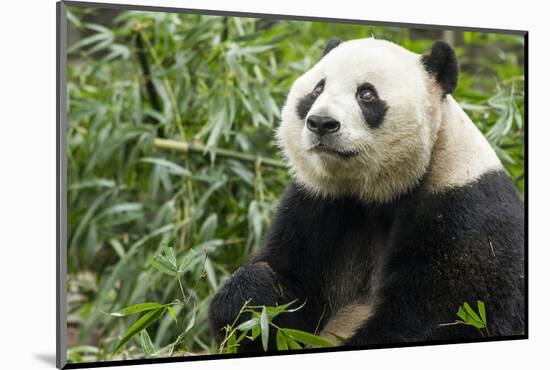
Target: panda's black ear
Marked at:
332, 43
442, 64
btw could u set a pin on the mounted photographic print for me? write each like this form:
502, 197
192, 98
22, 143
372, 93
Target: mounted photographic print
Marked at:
237, 184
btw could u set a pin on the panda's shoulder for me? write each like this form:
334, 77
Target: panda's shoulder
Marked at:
488, 210
492, 194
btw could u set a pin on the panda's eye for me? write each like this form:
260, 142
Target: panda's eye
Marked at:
367, 95
318, 89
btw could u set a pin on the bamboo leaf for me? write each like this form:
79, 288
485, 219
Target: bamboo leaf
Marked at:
255, 219
118, 247
122, 207
136, 308
264, 327
172, 313
255, 332
191, 322
211, 274
170, 257
96, 183
249, 324
208, 228
146, 344
142, 323
242, 336
292, 344
473, 317
481, 310
93, 39
163, 265
281, 341
462, 314
186, 260
307, 338
171, 166
231, 346
476, 324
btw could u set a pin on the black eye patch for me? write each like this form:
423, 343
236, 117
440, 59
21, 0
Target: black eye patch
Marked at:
305, 103
373, 109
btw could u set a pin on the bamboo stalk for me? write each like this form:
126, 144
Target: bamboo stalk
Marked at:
187, 147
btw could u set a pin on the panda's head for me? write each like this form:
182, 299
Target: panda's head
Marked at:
363, 120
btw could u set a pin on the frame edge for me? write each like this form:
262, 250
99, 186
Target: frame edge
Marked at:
61, 185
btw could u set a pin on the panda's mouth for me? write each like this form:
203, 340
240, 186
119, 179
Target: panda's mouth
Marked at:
325, 149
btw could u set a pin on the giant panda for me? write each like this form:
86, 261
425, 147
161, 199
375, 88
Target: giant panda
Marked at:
399, 210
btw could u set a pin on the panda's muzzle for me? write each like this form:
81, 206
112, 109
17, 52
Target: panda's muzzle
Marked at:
322, 125
321, 148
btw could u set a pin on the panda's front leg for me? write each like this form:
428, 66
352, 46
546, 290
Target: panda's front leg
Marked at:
381, 330
412, 307
259, 285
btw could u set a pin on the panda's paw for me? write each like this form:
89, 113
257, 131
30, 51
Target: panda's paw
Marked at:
254, 284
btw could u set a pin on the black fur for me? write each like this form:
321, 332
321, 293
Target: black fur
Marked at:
443, 66
305, 103
430, 253
332, 43
375, 111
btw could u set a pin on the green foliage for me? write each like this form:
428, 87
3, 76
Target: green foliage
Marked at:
217, 83
469, 317
260, 324
167, 263
149, 318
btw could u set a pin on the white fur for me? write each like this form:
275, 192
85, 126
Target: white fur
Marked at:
461, 153
346, 322
395, 156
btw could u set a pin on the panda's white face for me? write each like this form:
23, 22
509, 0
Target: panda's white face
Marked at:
362, 121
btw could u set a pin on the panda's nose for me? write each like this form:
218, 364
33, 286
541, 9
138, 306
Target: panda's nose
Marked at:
322, 125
